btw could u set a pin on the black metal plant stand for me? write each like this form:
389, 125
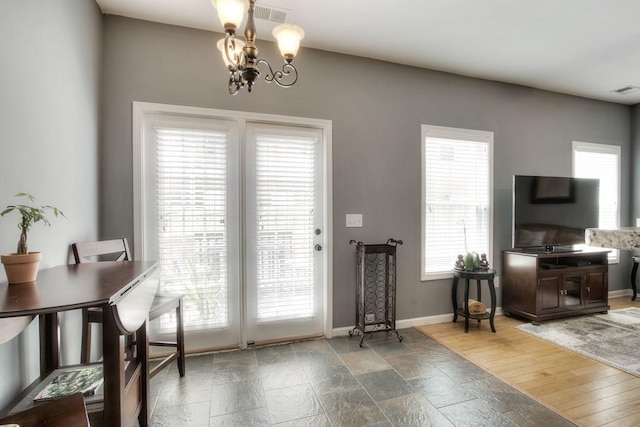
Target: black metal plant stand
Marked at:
376, 289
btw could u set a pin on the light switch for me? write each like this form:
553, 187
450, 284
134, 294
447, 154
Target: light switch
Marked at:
354, 220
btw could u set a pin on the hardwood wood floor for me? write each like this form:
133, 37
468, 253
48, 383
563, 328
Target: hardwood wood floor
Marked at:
586, 392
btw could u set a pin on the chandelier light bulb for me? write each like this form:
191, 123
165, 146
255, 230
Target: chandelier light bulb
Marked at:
288, 36
231, 12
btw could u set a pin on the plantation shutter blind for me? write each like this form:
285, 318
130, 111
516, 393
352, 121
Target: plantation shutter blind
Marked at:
285, 175
603, 162
456, 201
192, 221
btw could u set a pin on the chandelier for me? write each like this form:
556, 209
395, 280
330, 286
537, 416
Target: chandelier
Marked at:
241, 56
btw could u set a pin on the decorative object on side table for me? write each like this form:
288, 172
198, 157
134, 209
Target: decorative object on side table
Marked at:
476, 307
484, 262
22, 266
472, 262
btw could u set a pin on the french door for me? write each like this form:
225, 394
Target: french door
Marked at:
234, 211
284, 232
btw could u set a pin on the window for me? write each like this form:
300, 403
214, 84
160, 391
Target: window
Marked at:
601, 161
457, 171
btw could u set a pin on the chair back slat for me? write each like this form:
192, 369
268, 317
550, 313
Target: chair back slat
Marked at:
117, 249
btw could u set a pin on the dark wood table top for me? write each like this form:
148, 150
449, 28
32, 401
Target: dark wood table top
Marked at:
68, 287
477, 274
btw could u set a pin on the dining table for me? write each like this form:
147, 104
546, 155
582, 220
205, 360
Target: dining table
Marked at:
124, 291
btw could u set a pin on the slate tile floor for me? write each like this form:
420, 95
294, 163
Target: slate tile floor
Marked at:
336, 383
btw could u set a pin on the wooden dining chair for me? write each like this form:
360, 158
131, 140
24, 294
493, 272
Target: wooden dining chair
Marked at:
62, 412
118, 250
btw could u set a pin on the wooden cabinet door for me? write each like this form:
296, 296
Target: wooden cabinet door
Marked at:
596, 287
549, 293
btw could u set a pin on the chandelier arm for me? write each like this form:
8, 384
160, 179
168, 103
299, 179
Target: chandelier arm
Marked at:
235, 83
230, 51
288, 72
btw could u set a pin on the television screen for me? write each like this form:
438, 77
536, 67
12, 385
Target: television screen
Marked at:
551, 212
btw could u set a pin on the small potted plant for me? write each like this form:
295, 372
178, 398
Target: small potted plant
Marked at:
22, 266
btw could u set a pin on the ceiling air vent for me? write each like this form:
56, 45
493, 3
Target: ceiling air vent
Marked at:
270, 14
627, 90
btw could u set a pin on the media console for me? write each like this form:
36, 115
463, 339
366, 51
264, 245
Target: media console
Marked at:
540, 285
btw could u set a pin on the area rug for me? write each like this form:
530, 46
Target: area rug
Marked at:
612, 338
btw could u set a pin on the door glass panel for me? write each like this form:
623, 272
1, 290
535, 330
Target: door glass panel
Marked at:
285, 181
192, 222
570, 293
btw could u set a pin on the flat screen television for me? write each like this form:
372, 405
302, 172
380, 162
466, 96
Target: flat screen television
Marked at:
550, 213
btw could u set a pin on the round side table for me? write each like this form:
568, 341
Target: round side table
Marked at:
478, 276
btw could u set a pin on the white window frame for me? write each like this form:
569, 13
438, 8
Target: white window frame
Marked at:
143, 109
456, 134
614, 255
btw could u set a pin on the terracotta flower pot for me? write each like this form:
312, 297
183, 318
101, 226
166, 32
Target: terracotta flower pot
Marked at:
21, 268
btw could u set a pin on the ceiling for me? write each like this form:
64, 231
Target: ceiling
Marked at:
588, 48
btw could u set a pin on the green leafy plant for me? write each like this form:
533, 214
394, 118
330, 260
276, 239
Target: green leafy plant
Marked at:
30, 214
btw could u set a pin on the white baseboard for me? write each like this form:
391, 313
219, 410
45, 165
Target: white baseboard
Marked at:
410, 323
621, 293
444, 318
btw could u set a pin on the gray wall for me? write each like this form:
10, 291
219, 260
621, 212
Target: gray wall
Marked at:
377, 109
49, 116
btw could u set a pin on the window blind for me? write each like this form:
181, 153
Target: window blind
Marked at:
285, 201
603, 162
456, 201
191, 221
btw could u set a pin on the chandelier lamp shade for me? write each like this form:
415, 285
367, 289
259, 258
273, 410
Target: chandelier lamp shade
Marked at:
241, 55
